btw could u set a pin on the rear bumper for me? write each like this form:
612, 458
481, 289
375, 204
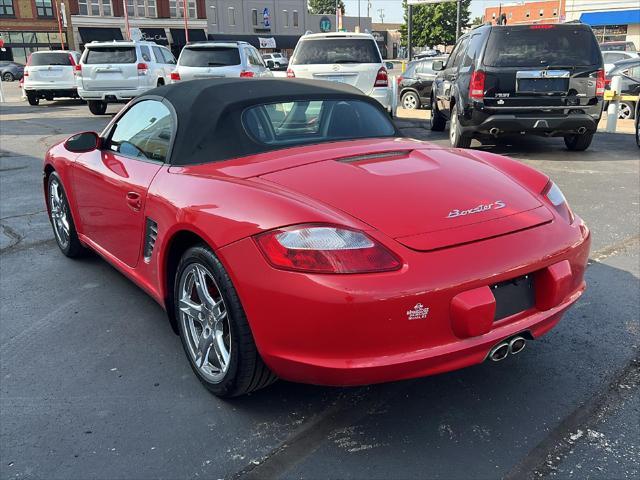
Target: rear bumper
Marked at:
111, 95
532, 122
55, 89
363, 329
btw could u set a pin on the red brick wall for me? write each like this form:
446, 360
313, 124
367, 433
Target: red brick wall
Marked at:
518, 12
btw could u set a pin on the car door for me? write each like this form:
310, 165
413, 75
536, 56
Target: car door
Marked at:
425, 78
450, 74
111, 184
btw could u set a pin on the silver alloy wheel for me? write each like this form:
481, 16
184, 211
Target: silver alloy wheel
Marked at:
624, 111
205, 322
410, 101
59, 213
453, 126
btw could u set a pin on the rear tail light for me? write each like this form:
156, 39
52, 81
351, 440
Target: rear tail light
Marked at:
600, 83
77, 69
399, 79
246, 74
290, 73
143, 69
555, 196
325, 249
25, 73
382, 78
541, 27
175, 76
476, 85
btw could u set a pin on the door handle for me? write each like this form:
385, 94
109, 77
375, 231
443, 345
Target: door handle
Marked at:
134, 201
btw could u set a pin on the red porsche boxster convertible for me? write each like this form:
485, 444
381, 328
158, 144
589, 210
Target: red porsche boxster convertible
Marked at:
290, 231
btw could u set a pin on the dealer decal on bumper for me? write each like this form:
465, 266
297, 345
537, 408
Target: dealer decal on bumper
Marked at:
419, 312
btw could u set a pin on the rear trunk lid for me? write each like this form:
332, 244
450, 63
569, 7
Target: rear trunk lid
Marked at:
425, 199
352, 60
540, 65
110, 68
55, 68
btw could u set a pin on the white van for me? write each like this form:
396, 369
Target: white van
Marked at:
121, 70
351, 58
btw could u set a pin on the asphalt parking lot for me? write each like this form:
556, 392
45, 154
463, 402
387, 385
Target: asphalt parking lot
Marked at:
94, 383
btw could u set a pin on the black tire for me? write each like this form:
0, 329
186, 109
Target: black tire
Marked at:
8, 77
72, 247
456, 137
246, 371
578, 143
438, 121
33, 99
97, 107
410, 101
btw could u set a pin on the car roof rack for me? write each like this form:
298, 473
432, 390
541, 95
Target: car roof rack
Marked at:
204, 42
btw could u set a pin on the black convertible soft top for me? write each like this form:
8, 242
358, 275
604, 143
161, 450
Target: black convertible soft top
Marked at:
208, 112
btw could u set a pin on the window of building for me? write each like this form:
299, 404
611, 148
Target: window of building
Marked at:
254, 17
296, 20
214, 15
44, 8
285, 18
555, 12
510, 15
231, 16
527, 14
494, 15
541, 12
94, 7
141, 8
6, 8
176, 9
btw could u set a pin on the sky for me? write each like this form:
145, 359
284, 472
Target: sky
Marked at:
393, 9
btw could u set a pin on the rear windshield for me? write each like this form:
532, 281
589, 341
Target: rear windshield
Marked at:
297, 123
44, 58
336, 50
209, 57
541, 47
110, 55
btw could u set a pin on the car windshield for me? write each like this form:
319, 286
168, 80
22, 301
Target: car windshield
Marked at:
300, 122
54, 58
336, 50
97, 55
541, 47
209, 57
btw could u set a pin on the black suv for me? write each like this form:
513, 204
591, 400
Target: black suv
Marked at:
529, 79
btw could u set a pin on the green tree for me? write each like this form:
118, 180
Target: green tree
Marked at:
434, 24
317, 7
477, 21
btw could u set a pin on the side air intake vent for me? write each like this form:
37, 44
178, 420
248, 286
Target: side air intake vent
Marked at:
150, 236
374, 156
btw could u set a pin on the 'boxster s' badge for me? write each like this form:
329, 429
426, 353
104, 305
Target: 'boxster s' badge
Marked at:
497, 205
419, 312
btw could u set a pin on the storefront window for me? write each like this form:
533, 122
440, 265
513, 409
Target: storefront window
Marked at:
6, 8
610, 33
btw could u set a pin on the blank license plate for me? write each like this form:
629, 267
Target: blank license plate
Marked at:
543, 85
513, 296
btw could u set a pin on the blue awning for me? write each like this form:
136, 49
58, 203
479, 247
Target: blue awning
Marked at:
615, 17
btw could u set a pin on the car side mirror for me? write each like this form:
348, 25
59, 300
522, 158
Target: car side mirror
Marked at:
437, 65
389, 65
83, 142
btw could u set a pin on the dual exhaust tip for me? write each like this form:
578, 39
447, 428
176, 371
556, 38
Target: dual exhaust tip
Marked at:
508, 347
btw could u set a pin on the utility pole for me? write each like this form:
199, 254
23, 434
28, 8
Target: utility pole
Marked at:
458, 19
409, 29
381, 14
358, 15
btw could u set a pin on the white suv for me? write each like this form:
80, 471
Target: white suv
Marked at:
219, 59
278, 60
351, 58
121, 70
50, 74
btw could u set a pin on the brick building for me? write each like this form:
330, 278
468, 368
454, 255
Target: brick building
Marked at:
551, 11
30, 25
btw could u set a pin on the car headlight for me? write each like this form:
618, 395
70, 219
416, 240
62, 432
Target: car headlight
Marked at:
555, 196
317, 248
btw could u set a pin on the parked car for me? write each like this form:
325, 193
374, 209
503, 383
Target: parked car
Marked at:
351, 58
278, 60
219, 59
121, 70
414, 85
618, 46
612, 56
629, 71
10, 71
637, 122
432, 52
50, 74
291, 231
527, 79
